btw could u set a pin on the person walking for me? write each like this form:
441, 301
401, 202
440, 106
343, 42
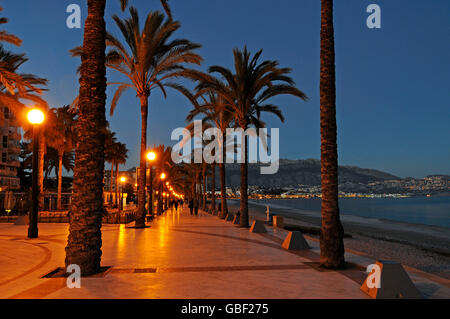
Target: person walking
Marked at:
191, 205
196, 207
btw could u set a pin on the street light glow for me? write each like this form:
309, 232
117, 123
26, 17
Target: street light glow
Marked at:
163, 176
35, 116
151, 156
123, 179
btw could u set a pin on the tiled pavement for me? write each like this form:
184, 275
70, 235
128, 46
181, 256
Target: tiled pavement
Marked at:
182, 256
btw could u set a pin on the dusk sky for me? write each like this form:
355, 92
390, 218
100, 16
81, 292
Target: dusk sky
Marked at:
393, 83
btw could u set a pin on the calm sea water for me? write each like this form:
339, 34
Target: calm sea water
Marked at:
418, 210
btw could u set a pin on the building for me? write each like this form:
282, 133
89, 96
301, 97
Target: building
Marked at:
130, 176
9, 150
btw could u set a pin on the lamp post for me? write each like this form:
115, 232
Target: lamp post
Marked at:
151, 156
35, 117
122, 181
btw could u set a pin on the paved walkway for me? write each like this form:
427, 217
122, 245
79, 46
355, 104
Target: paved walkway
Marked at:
182, 256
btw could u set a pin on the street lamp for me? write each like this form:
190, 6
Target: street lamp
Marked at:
123, 179
162, 177
35, 117
151, 156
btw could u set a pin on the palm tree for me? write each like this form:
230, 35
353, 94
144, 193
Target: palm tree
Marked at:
84, 241
216, 112
154, 59
110, 140
332, 232
62, 125
246, 92
52, 162
163, 165
15, 86
85, 217
120, 157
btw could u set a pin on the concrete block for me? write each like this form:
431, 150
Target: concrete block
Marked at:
22, 220
258, 227
295, 241
278, 221
389, 280
133, 225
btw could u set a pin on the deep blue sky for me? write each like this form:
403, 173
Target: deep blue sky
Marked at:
393, 96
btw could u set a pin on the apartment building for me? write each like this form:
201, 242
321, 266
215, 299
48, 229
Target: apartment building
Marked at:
9, 150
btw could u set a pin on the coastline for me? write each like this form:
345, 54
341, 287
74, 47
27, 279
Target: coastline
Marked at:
423, 247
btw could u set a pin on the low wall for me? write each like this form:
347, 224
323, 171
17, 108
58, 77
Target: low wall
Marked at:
61, 217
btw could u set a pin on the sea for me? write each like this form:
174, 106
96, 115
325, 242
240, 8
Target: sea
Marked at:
417, 210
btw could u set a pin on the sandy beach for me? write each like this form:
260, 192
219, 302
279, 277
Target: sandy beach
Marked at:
420, 246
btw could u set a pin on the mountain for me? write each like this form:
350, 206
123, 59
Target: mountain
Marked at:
305, 172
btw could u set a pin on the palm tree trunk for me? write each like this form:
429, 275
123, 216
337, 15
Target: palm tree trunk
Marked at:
213, 188
160, 207
85, 217
223, 191
42, 149
111, 179
117, 185
60, 160
331, 236
243, 222
205, 182
140, 221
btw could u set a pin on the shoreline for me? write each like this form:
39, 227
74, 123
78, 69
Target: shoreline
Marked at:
423, 247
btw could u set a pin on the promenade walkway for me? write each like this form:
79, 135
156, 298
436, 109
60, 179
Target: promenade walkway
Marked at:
182, 256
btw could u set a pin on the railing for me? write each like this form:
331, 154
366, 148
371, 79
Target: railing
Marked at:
116, 217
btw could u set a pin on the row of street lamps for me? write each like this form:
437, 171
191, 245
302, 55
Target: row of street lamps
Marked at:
36, 117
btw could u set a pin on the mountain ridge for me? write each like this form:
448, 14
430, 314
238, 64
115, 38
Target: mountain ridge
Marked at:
302, 171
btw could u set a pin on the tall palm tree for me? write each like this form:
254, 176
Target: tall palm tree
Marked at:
246, 92
62, 126
216, 111
120, 157
84, 241
165, 165
153, 61
332, 232
110, 140
15, 87
204, 165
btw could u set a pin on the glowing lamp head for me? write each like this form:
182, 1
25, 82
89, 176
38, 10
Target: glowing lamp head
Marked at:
151, 156
35, 116
163, 176
123, 179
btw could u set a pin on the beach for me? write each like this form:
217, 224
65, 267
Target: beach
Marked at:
424, 247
